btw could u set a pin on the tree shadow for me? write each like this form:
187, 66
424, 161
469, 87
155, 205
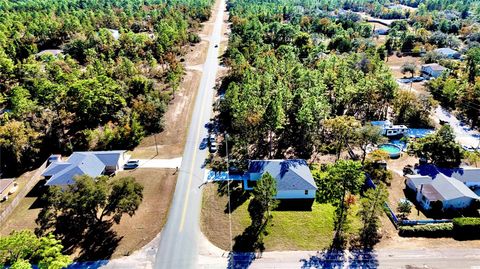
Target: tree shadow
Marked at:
335, 258
240, 260
94, 241
248, 241
238, 196
329, 258
99, 243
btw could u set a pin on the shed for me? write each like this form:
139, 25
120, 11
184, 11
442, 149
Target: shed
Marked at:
433, 70
448, 53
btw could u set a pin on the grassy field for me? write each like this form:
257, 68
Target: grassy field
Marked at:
290, 230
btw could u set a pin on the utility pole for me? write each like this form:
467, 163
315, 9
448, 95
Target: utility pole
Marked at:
156, 145
228, 189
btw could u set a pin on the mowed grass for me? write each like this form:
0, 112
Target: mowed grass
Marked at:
289, 230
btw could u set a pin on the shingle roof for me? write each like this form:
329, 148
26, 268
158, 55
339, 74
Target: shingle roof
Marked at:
90, 163
289, 174
79, 163
435, 67
109, 158
446, 51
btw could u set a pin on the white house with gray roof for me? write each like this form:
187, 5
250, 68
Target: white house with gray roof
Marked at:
293, 177
91, 163
451, 192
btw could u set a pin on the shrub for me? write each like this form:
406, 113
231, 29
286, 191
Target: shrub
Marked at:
427, 230
466, 228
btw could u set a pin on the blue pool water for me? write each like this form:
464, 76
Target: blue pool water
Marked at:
390, 148
413, 133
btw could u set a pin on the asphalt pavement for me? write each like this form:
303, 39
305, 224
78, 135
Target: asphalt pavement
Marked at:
178, 247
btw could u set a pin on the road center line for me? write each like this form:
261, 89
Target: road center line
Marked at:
190, 178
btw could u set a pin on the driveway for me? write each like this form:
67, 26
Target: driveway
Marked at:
160, 163
465, 135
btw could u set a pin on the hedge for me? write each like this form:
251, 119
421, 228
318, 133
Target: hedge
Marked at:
427, 230
466, 228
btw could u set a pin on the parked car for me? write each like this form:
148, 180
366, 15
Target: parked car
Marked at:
212, 138
216, 46
131, 164
53, 158
213, 147
417, 79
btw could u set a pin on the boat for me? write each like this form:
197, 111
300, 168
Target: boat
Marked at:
391, 130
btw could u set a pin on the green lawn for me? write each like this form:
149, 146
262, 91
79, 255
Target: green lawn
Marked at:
290, 230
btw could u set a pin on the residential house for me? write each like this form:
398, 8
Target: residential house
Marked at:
447, 192
7, 187
448, 53
293, 177
92, 163
432, 70
469, 176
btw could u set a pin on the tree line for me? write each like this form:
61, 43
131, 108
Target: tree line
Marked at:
120, 65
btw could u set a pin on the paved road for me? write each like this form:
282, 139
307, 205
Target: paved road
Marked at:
465, 135
384, 258
178, 246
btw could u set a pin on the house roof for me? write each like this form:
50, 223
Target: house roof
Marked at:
447, 188
4, 183
434, 67
79, 163
464, 174
431, 193
446, 51
109, 158
90, 163
418, 180
289, 174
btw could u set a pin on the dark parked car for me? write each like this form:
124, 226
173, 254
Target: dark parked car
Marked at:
53, 158
132, 164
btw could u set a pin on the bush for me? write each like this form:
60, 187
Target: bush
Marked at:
427, 230
466, 228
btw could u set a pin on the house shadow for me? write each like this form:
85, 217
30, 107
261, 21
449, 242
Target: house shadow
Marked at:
295, 205
37, 192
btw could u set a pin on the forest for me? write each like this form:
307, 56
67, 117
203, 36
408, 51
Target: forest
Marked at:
113, 68
290, 72
296, 64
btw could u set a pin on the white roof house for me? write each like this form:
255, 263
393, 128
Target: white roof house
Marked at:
452, 193
92, 163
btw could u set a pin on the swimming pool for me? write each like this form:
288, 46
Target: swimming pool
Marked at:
393, 150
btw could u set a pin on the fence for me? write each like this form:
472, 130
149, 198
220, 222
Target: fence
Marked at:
22, 193
390, 214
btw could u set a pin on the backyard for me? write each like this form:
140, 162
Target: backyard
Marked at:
298, 230
133, 232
